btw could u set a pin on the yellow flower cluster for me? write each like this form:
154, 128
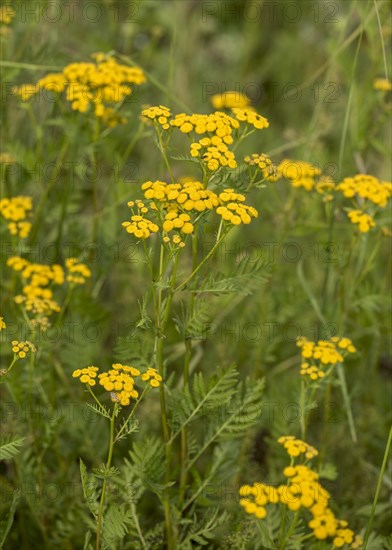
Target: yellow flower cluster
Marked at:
296, 447
325, 186
366, 187
382, 84
120, 382
264, 163
152, 376
304, 492
2, 324
17, 209
218, 124
7, 13
218, 129
364, 221
21, 349
214, 153
99, 86
367, 191
86, 375
176, 202
250, 117
232, 209
77, 271
229, 100
161, 114
140, 226
36, 296
316, 357
299, 172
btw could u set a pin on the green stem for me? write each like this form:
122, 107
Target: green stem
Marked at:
119, 433
164, 154
44, 197
347, 403
107, 468
290, 531
219, 240
161, 323
187, 359
380, 478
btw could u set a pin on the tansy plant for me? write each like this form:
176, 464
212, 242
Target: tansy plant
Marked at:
98, 87
170, 216
121, 383
320, 361
17, 211
300, 500
38, 281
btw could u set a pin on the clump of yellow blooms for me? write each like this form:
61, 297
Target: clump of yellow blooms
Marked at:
326, 186
2, 324
299, 172
178, 206
250, 117
37, 296
296, 447
152, 377
160, 114
366, 187
15, 210
364, 221
119, 381
140, 226
233, 210
229, 100
216, 131
21, 349
98, 87
86, 375
263, 163
77, 271
320, 356
302, 492
382, 84
367, 191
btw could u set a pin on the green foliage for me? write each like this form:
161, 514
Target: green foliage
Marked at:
6, 522
267, 283
10, 447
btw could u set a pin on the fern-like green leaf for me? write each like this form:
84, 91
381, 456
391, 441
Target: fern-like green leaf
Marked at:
202, 398
240, 414
89, 489
10, 447
249, 275
147, 463
115, 525
99, 409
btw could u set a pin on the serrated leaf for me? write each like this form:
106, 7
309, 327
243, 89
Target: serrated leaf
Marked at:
248, 276
99, 409
89, 489
115, 523
202, 397
10, 447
